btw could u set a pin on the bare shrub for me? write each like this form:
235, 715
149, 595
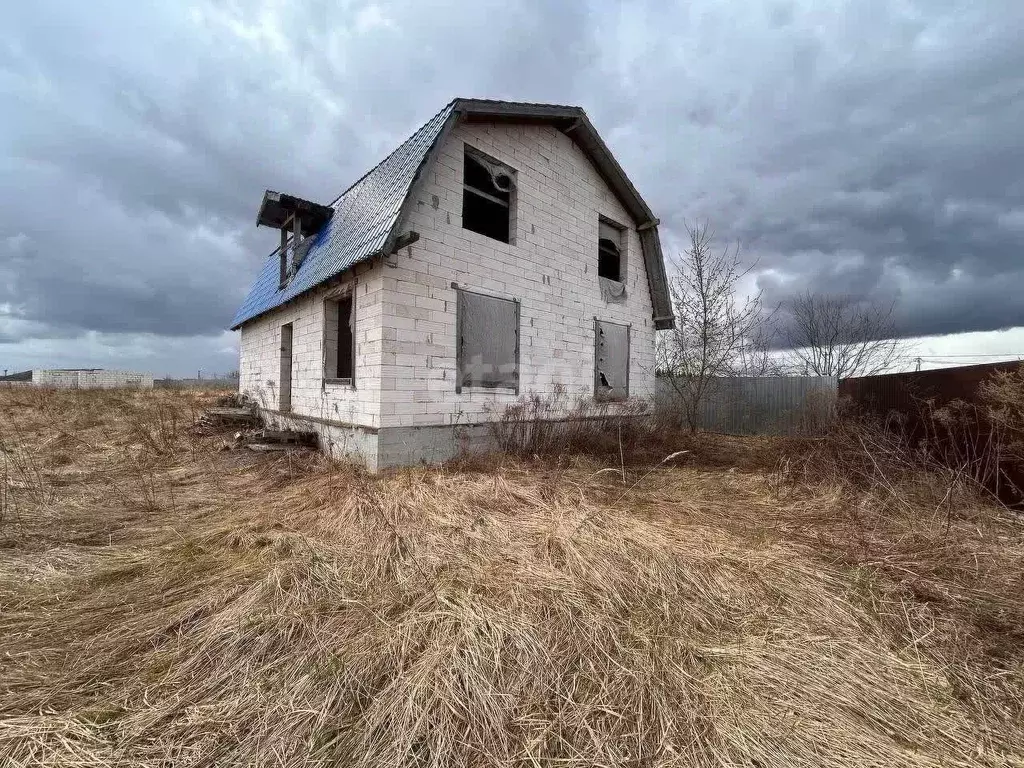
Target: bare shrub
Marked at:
1002, 396
555, 424
158, 429
977, 444
858, 452
957, 448
961, 437
716, 333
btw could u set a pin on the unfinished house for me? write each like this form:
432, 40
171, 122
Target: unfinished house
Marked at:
500, 251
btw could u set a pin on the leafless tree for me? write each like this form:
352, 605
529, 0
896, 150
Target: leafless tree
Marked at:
759, 356
840, 336
716, 333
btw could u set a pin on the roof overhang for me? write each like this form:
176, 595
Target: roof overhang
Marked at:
278, 209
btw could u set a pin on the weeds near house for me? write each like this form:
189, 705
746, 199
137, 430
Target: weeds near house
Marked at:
556, 424
300, 612
975, 447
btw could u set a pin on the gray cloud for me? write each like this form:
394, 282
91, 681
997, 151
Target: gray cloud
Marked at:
866, 147
884, 164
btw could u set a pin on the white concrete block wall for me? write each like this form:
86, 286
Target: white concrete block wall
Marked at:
53, 378
91, 379
551, 267
114, 379
260, 359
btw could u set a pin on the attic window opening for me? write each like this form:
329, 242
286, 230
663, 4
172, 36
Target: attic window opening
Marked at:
288, 253
300, 217
487, 198
609, 252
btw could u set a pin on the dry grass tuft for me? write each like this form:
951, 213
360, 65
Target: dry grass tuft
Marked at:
162, 603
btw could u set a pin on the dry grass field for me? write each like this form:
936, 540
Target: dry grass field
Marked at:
165, 602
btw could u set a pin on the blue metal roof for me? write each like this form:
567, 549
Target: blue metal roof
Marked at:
364, 217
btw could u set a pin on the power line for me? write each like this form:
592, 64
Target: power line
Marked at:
962, 363
983, 354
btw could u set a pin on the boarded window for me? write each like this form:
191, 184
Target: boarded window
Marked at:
610, 251
339, 339
487, 196
611, 360
488, 342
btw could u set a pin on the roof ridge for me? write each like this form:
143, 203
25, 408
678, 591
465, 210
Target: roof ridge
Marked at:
519, 103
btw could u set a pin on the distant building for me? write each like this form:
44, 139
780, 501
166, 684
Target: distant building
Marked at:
500, 251
79, 378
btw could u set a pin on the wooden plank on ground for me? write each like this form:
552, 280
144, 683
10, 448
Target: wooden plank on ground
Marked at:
269, 447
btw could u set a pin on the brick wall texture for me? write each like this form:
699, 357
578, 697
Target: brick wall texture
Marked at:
405, 304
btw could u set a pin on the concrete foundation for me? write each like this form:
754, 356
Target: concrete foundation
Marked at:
408, 446
383, 448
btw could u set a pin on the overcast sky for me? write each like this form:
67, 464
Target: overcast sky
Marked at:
873, 147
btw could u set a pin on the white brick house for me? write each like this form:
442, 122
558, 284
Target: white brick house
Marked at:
499, 251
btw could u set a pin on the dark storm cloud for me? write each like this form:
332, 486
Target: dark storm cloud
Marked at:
866, 148
142, 141
870, 148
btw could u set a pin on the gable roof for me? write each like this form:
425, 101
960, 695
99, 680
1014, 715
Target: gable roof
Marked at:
367, 215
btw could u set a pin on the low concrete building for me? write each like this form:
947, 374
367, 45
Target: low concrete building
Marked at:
79, 378
500, 251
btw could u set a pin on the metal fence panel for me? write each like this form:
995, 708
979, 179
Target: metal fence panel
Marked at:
764, 405
905, 392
